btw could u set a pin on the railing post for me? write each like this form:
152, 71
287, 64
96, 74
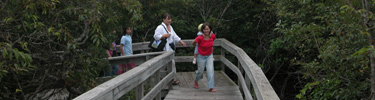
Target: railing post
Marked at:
241, 71
157, 80
147, 57
169, 69
248, 82
139, 91
240, 68
222, 53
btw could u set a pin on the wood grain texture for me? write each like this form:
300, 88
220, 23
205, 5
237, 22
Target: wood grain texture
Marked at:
121, 84
226, 88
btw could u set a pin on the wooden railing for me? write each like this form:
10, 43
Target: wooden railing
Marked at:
253, 74
250, 76
262, 87
135, 78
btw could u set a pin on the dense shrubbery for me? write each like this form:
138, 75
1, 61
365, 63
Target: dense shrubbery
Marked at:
51, 44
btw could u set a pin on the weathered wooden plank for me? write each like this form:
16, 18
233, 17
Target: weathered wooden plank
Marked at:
136, 46
225, 90
137, 59
228, 90
151, 67
158, 87
107, 96
123, 83
223, 93
203, 95
189, 80
262, 87
139, 91
221, 79
222, 54
240, 79
140, 46
202, 82
182, 80
157, 80
190, 58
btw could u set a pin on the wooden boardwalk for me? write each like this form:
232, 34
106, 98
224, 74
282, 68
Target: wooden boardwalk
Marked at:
226, 88
152, 65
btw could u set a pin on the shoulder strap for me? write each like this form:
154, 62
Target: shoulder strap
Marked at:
164, 28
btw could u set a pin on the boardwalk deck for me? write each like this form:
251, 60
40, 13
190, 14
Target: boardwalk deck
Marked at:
226, 88
251, 79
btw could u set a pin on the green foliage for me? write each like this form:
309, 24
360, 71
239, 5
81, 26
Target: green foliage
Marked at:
57, 44
13, 63
330, 45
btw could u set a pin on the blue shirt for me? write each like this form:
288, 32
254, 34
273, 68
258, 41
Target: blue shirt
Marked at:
126, 40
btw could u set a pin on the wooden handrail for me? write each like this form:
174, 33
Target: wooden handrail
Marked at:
240, 78
259, 81
137, 58
158, 87
121, 84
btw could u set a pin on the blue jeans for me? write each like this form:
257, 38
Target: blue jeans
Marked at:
112, 71
208, 62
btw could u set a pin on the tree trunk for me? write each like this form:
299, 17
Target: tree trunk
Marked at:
372, 61
369, 26
372, 76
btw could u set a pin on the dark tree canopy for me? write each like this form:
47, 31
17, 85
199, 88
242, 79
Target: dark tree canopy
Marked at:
56, 44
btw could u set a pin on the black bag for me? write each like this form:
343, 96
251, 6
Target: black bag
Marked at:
158, 45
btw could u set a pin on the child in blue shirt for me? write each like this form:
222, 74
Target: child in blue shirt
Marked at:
126, 49
126, 43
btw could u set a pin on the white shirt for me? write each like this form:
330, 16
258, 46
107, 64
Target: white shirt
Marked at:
160, 31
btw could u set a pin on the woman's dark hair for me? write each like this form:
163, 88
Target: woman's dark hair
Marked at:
204, 26
166, 15
124, 29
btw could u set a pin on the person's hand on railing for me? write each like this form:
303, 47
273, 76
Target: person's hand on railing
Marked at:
183, 43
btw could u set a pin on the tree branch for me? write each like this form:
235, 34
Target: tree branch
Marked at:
200, 8
225, 9
350, 5
84, 34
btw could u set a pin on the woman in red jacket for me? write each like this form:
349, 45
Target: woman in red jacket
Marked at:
205, 58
